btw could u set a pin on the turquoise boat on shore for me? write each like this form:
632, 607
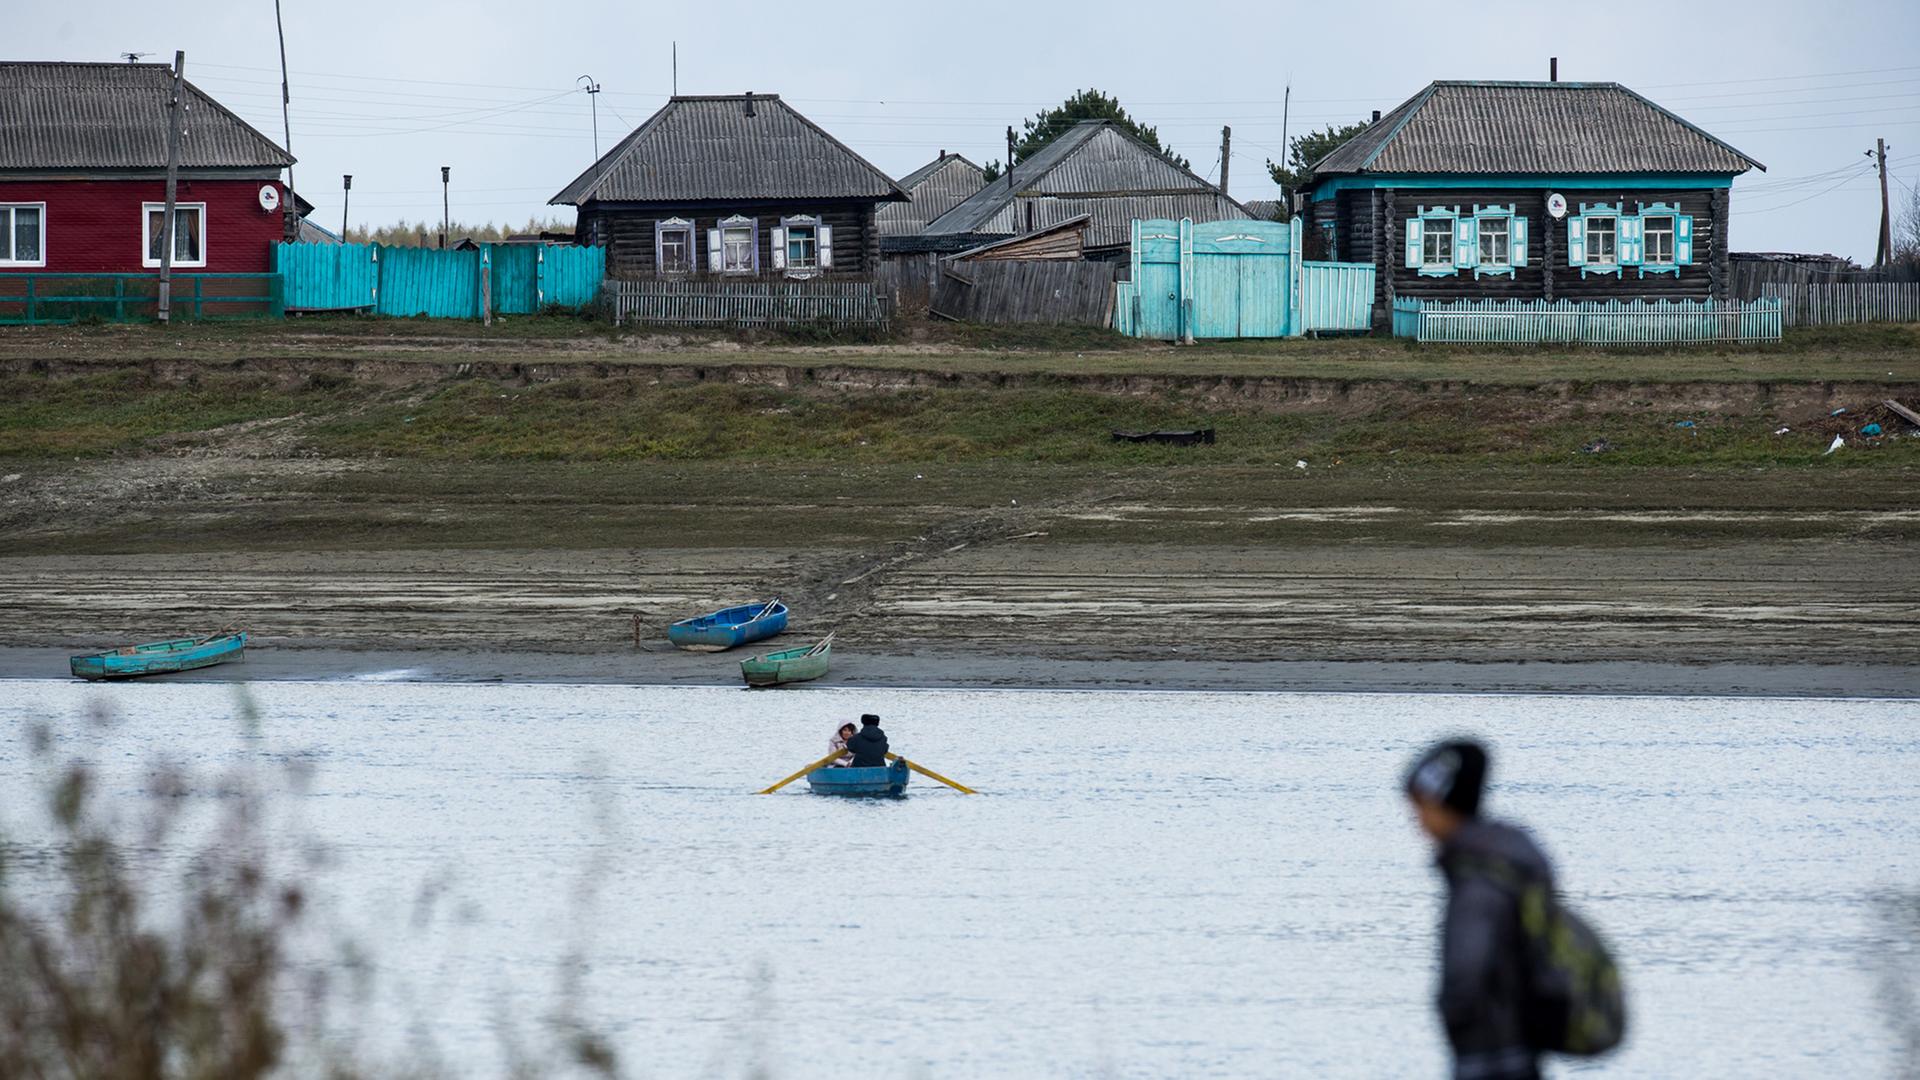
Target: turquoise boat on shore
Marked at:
160, 657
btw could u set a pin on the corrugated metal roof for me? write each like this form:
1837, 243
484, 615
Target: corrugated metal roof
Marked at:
57, 115
703, 148
935, 188
1532, 127
1098, 167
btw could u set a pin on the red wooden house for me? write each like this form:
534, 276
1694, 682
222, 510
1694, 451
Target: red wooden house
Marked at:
83, 155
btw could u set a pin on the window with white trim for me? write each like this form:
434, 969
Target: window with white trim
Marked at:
1436, 243
189, 233
736, 249
1495, 242
673, 246
1658, 234
803, 247
23, 234
1601, 247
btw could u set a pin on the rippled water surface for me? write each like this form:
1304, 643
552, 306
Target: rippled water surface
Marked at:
1150, 884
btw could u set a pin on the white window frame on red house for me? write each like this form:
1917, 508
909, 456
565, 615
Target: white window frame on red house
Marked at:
147, 210
7, 237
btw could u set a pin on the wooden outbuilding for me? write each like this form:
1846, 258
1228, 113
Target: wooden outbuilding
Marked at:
932, 190
1097, 170
1528, 191
734, 187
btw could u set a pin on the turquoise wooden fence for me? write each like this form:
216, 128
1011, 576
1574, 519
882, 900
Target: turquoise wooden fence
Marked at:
329, 277
439, 284
1235, 279
36, 298
1636, 322
497, 279
1336, 298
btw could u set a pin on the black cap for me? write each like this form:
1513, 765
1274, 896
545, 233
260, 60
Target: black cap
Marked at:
869, 718
1452, 774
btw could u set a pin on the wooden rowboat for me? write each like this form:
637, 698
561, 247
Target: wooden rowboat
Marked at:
789, 665
729, 627
159, 657
886, 780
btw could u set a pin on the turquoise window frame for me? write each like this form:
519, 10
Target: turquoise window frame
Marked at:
1452, 218
1588, 211
1494, 213
1668, 210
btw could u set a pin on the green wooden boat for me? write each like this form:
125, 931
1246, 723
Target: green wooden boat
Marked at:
789, 665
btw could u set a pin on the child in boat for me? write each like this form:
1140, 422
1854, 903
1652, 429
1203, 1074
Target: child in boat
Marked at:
839, 743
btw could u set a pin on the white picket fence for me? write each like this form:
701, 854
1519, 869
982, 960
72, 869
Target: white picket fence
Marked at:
1847, 302
1612, 322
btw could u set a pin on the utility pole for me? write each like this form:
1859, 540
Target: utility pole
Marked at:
346, 194
1009, 157
1884, 254
286, 97
1286, 151
593, 88
1226, 156
446, 213
176, 121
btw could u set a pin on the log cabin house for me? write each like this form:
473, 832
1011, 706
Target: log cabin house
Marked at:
731, 187
1528, 191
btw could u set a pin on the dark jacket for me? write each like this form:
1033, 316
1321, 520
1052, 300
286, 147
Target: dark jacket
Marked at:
869, 747
1483, 971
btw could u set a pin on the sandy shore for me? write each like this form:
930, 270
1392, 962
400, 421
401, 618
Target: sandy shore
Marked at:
1752, 619
662, 666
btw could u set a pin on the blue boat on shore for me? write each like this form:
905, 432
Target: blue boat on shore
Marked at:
160, 657
885, 780
730, 627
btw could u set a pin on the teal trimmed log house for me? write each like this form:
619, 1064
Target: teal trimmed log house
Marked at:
1528, 191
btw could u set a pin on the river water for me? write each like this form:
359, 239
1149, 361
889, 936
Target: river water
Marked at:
1149, 884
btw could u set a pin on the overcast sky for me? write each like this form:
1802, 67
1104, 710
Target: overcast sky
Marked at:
389, 90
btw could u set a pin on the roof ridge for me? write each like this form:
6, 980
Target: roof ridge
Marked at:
588, 183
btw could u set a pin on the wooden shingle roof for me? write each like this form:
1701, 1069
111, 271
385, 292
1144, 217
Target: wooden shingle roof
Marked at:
57, 115
731, 147
1532, 128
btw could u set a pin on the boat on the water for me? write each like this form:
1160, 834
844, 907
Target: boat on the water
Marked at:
885, 780
803, 664
159, 657
730, 627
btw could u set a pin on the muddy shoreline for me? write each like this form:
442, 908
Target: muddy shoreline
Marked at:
659, 666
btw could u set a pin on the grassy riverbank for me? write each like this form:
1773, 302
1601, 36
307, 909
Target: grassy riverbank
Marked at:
386, 485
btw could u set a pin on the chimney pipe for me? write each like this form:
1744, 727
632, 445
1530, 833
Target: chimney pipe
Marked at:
1376, 116
1553, 69
749, 103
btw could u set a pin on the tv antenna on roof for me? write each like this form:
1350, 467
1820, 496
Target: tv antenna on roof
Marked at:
133, 57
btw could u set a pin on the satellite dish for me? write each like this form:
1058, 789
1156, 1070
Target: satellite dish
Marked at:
269, 197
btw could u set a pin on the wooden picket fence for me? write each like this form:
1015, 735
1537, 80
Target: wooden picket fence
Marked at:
1831, 304
1682, 322
745, 304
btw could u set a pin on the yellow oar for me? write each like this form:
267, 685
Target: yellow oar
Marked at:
821, 764
962, 788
